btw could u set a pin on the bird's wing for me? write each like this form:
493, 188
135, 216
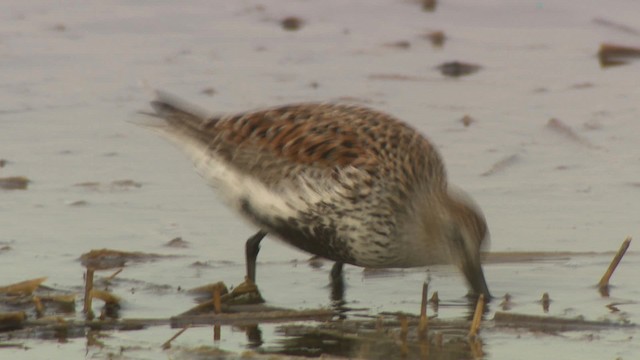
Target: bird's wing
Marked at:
272, 144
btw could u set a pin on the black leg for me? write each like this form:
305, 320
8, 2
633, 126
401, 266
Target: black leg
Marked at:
252, 248
336, 271
337, 284
254, 336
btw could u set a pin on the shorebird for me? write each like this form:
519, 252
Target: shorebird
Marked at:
343, 182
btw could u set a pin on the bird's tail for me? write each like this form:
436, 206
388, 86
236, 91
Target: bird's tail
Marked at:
171, 114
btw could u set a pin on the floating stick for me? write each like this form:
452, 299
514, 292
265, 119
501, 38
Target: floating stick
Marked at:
603, 285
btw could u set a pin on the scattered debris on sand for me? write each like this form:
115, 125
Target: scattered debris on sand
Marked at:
458, 68
565, 130
502, 164
437, 38
113, 186
615, 55
14, 183
292, 23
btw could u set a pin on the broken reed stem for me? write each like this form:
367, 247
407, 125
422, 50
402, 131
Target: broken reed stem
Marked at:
88, 286
217, 308
604, 282
217, 302
477, 317
422, 326
39, 307
167, 344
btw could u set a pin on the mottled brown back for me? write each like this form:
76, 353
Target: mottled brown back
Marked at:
315, 139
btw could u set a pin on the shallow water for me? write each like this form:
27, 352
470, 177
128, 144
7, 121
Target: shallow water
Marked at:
73, 73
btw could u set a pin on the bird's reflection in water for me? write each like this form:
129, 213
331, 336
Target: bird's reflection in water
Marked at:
344, 340
378, 337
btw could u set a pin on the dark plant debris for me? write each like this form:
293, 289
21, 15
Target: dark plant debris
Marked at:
209, 91
429, 5
467, 120
113, 186
291, 23
615, 55
177, 243
14, 183
458, 68
437, 38
401, 44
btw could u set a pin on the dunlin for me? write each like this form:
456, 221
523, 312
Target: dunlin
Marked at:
344, 182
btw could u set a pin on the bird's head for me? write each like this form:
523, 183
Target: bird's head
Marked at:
467, 234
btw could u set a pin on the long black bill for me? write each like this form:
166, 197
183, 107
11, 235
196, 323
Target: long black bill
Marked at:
475, 278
